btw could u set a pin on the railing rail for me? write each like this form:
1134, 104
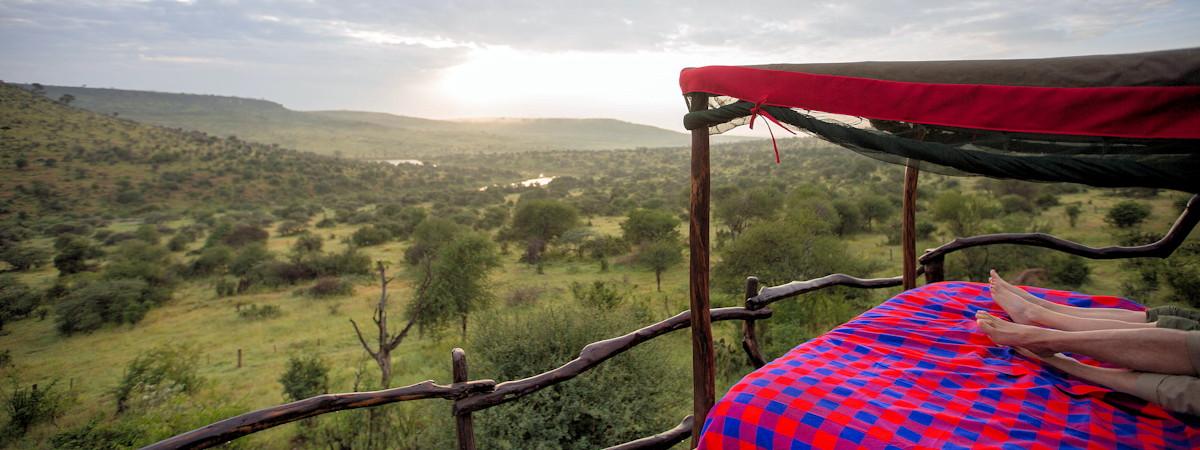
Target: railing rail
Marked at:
468, 396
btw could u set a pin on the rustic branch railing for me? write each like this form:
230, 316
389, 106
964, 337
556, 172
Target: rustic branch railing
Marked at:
262, 419
663, 440
468, 396
773, 294
591, 355
933, 259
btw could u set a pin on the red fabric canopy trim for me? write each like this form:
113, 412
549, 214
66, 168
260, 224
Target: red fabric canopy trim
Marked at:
1139, 112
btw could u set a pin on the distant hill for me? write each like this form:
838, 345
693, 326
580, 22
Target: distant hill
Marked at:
61, 160
359, 134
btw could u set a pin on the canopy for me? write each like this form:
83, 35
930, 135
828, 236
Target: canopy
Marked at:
1110, 120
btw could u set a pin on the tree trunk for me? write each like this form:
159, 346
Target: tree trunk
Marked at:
658, 279
464, 327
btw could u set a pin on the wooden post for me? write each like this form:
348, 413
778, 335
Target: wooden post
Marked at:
749, 336
703, 367
463, 423
239, 358
935, 270
908, 228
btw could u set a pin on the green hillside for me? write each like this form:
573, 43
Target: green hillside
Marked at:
369, 135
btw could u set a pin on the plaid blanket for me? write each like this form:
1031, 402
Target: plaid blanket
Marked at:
915, 372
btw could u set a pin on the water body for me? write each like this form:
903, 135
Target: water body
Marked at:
540, 181
396, 162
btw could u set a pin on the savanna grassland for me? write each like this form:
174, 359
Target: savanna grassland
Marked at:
140, 260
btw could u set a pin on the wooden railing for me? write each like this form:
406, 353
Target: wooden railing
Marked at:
468, 396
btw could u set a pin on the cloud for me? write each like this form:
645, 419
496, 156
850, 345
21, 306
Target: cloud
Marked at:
414, 56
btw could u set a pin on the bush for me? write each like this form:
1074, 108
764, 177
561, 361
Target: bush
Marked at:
370, 235
90, 305
255, 312
74, 253
157, 374
248, 258
1127, 214
330, 287
211, 260
24, 257
17, 300
306, 376
1069, 272
226, 287
291, 228
30, 406
243, 234
599, 408
598, 294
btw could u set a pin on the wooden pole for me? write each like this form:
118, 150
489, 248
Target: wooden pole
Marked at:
703, 366
908, 228
239, 358
463, 423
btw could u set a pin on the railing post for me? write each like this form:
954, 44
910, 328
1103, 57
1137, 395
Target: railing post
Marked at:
908, 227
749, 336
463, 423
703, 368
935, 270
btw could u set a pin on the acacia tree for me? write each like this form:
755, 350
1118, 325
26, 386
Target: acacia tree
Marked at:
649, 225
540, 221
740, 208
458, 279
660, 256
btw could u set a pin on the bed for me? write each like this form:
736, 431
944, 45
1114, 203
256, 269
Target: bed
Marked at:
915, 372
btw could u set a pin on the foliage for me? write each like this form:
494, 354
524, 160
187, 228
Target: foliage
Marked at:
782, 251
370, 235
738, 208
599, 294
23, 257
659, 256
1069, 271
329, 287
541, 221
457, 283
17, 300
142, 261
239, 235
962, 213
26, 407
649, 225
214, 260
1127, 214
1182, 273
429, 237
158, 374
307, 244
306, 376
91, 304
74, 253
1073, 210
254, 312
630, 396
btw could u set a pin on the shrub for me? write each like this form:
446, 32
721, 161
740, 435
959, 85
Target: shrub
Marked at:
370, 235
211, 260
306, 376
226, 287
248, 258
330, 287
255, 312
24, 257
291, 228
596, 295
27, 407
74, 253
599, 408
90, 305
1069, 272
17, 300
157, 374
1127, 214
244, 234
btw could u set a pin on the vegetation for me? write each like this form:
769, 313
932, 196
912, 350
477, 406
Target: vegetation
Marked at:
138, 235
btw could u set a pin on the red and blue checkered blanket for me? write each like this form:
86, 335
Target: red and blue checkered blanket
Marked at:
916, 372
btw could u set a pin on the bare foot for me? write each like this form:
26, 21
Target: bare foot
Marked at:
1002, 284
1021, 311
1004, 332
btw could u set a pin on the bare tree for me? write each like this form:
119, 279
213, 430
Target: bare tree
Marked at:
387, 342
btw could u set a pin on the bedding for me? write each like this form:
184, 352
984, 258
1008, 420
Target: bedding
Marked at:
915, 372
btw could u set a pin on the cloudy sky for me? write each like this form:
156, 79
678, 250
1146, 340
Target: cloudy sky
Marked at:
543, 58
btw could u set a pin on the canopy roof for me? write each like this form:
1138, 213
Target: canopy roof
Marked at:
1110, 120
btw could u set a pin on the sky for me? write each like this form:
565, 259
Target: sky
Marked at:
467, 59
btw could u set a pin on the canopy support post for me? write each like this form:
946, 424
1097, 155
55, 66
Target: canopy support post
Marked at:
703, 367
908, 227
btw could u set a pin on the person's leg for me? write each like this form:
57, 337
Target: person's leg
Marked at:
1123, 315
1177, 393
1157, 350
1030, 313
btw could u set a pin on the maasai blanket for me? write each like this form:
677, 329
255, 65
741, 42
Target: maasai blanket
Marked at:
916, 372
